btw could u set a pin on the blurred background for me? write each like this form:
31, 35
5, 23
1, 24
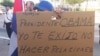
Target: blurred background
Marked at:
68, 5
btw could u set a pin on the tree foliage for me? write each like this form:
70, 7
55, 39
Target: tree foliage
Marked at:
7, 2
74, 1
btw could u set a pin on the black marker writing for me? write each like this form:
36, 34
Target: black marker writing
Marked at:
39, 49
37, 34
87, 35
62, 35
23, 36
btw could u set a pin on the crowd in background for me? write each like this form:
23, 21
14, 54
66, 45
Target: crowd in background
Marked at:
29, 5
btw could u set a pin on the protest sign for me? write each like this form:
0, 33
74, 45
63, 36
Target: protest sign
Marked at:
39, 35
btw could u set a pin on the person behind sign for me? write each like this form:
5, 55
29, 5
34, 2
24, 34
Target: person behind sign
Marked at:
29, 6
47, 6
8, 19
44, 6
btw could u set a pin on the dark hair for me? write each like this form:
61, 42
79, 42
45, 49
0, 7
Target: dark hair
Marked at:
8, 6
32, 3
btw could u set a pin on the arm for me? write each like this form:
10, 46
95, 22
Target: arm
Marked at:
4, 24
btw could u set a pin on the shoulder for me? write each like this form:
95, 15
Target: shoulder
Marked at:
10, 11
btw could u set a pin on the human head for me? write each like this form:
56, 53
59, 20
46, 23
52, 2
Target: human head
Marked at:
45, 5
29, 5
8, 7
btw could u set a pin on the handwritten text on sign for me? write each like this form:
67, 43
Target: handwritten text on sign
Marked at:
72, 35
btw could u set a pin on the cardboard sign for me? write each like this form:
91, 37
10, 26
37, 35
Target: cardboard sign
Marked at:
40, 35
